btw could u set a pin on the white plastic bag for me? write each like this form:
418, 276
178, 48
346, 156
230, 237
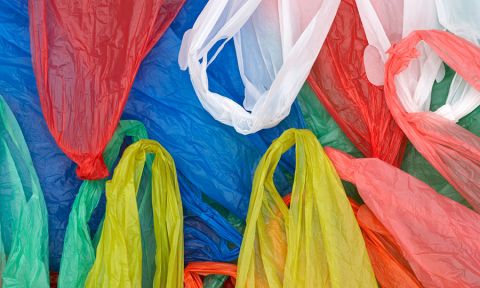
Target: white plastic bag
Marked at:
276, 42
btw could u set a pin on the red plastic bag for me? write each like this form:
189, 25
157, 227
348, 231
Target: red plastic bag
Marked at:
438, 236
85, 56
338, 78
451, 149
194, 270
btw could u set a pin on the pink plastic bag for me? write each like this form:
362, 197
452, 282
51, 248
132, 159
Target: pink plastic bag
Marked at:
438, 236
451, 149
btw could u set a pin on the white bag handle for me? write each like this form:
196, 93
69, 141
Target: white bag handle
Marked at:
276, 41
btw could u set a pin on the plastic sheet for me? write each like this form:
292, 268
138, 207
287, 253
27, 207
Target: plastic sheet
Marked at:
119, 253
437, 235
23, 214
194, 270
276, 43
317, 242
452, 150
75, 266
85, 56
339, 79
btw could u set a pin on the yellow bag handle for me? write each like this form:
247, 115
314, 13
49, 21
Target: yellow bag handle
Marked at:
315, 243
118, 261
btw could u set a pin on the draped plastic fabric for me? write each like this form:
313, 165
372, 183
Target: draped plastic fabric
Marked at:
85, 56
339, 80
438, 236
119, 257
75, 266
186, 133
452, 150
194, 270
23, 214
276, 43
316, 242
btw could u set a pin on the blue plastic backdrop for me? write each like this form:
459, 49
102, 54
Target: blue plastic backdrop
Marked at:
211, 158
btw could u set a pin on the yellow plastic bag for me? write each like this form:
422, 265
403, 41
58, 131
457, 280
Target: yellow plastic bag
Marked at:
118, 261
315, 243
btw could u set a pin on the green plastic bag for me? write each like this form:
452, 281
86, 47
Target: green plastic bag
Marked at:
75, 266
416, 165
118, 260
23, 213
315, 243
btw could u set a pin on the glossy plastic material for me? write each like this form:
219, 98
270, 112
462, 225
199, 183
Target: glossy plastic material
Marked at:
118, 260
338, 78
75, 266
452, 150
23, 214
276, 43
317, 242
85, 56
194, 270
438, 236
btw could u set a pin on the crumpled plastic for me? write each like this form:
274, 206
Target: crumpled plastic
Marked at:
23, 214
317, 242
339, 79
452, 150
75, 266
85, 56
194, 270
161, 86
438, 236
276, 43
118, 260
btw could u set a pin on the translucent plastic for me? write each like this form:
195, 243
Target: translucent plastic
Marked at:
438, 236
317, 242
194, 270
451, 149
338, 78
118, 260
23, 214
75, 266
276, 43
85, 56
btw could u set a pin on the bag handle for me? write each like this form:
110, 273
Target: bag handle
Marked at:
119, 256
194, 270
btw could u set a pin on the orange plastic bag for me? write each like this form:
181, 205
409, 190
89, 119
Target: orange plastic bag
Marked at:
194, 270
437, 236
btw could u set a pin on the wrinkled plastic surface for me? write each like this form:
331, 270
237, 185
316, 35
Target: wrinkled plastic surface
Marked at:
23, 214
317, 242
338, 78
85, 56
460, 17
194, 270
451, 149
186, 134
438, 236
276, 43
75, 266
118, 260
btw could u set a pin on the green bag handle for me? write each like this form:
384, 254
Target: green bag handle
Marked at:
23, 213
315, 243
78, 250
119, 252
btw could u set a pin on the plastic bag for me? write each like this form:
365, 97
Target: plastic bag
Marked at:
460, 17
194, 270
452, 150
85, 57
276, 43
119, 257
218, 241
316, 242
338, 78
23, 214
75, 266
438, 236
